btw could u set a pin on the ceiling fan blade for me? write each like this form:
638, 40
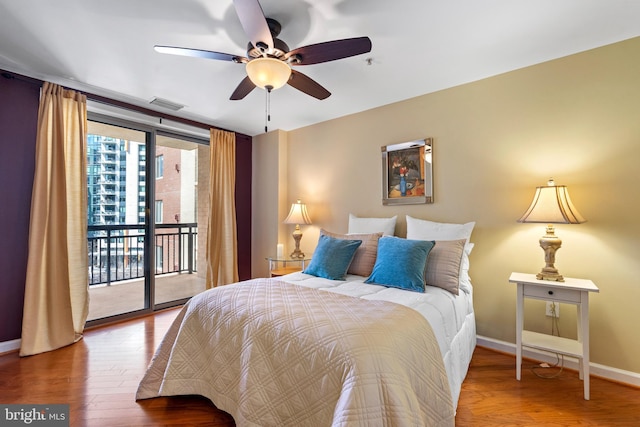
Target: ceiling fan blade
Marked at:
254, 23
307, 85
330, 51
185, 51
243, 89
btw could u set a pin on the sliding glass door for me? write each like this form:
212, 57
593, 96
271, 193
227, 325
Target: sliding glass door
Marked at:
116, 218
180, 201
143, 222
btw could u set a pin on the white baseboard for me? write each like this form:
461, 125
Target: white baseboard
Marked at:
7, 346
602, 371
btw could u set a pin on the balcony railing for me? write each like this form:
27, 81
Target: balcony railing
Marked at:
116, 252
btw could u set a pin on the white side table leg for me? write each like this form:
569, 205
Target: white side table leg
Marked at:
519, 327
583, 336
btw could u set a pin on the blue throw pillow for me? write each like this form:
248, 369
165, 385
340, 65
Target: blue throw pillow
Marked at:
401, 263
332, 257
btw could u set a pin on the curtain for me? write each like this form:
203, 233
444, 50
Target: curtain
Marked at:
56, 299
222, 258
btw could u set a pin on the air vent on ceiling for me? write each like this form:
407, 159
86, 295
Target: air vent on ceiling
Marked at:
164, 103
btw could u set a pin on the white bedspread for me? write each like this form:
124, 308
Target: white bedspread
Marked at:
278, 354
451, 317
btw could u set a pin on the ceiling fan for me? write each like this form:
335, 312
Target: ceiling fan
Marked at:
269, 60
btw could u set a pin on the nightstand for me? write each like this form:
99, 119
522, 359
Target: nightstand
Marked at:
282, 266
571, 291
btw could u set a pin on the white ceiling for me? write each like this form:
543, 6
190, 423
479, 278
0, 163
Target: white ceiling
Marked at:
419, 46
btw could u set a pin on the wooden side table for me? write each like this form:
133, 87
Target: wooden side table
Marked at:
571, 291
282, 266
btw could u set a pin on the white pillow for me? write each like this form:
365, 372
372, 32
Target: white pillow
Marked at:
372, 225
465, 280
421, 229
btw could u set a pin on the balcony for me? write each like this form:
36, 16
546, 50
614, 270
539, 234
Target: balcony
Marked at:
128, 295
116, 266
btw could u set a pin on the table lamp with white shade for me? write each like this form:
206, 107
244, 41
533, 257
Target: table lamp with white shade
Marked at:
297, 215
551, 205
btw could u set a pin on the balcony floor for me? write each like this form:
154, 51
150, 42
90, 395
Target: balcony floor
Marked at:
126, 296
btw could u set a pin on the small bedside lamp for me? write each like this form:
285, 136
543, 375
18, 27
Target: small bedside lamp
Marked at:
297, 215
551, 205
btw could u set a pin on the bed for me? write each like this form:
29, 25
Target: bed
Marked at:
312, 348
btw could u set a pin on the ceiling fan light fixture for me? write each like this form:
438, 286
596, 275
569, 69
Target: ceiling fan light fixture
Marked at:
268, 72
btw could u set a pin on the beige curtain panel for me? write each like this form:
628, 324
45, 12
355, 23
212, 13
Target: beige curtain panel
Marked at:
56, 291
222, 258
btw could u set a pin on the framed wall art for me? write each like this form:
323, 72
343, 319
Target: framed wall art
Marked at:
407, 172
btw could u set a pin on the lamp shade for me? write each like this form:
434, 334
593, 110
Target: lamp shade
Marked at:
268, 73
551, 205
298, 214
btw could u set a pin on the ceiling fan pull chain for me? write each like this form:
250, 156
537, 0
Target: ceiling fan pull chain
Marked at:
267, 108
269, 105
266, 111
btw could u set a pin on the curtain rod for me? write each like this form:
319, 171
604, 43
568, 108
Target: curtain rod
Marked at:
13, 76
104, 100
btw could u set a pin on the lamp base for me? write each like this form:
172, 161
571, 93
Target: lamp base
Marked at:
555, 277
297, 235
297, 255
550, 243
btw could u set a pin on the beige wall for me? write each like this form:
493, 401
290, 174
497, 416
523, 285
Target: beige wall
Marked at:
576, 119
269, 198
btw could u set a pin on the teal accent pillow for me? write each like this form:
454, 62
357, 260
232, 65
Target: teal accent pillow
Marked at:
332, 257
401, 263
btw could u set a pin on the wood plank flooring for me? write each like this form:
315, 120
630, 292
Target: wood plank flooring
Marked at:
491, 396
98, 378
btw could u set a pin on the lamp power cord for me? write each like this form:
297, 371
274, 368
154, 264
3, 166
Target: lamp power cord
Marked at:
555, 330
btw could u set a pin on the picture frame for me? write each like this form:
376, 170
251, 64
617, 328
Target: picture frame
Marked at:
407, 172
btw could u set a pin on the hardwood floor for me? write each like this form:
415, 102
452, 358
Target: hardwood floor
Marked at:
491, 396
98, 378
99, 375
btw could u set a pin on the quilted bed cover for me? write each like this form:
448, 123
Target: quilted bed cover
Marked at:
272, 353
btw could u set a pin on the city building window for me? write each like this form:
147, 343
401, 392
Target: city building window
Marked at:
159, 166
158, 211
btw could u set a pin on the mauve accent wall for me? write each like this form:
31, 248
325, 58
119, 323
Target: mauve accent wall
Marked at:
18, 122
243, 204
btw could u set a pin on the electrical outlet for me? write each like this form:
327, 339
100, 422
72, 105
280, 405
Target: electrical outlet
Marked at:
552, 309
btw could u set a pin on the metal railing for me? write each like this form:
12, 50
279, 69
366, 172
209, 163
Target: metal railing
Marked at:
116, 252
